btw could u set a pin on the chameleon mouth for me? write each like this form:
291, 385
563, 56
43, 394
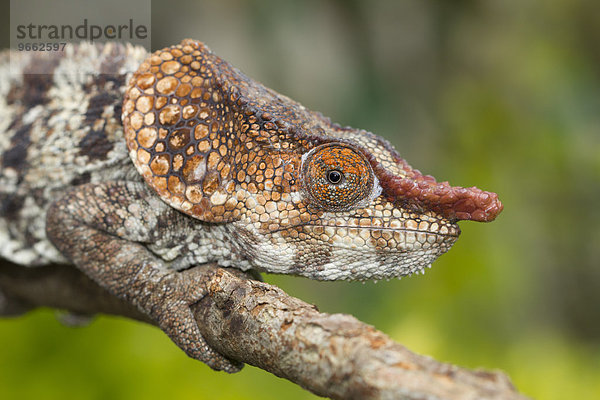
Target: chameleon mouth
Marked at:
455, 233
345, 251
386, 239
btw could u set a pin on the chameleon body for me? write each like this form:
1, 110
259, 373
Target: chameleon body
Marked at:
146, 165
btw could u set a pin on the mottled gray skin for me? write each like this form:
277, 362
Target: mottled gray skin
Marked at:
70, 194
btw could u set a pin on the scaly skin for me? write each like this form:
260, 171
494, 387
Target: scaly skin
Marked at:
227, 171
222, 148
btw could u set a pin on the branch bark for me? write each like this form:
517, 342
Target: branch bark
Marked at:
331, 355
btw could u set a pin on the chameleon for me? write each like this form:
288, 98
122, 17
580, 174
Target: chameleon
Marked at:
134, 167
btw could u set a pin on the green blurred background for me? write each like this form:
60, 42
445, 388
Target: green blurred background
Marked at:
504, 95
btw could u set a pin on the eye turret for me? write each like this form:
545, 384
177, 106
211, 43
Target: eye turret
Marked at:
336, 176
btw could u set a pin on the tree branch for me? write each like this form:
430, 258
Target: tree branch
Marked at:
332, 355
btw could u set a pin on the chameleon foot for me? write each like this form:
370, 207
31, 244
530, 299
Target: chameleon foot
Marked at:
176, 319
178, 322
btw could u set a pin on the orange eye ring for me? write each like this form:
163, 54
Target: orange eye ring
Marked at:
336, 176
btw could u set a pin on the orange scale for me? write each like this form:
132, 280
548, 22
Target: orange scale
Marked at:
167, 85
183, 90
169, 115
170, 67
175, 185
161, 164
166, 56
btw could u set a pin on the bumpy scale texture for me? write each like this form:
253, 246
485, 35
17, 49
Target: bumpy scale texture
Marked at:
223, 170
58, 131
222, 148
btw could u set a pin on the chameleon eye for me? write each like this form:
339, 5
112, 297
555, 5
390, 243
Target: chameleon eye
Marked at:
336, 176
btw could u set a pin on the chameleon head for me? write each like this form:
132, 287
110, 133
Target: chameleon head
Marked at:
378, 217
299, 194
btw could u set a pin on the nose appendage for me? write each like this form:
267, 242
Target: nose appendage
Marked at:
420, 192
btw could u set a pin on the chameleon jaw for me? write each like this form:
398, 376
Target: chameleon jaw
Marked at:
331, 262
354, 251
